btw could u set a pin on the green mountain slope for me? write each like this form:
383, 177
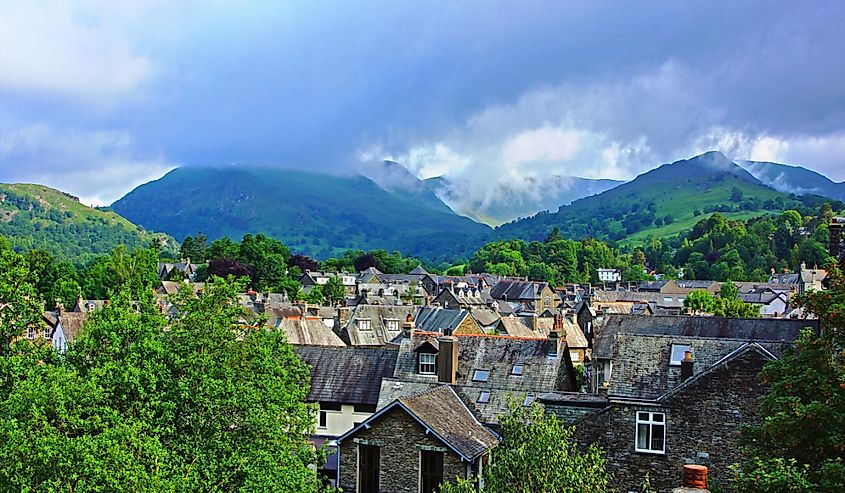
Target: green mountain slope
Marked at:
663, 202
795, 179
316, 214
35, 216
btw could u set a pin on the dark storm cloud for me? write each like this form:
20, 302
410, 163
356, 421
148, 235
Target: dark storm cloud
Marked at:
580, 88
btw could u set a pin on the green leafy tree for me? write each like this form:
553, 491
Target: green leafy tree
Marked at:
334, 290
316, 295
539, 454
699, 301
728, 304
804, 410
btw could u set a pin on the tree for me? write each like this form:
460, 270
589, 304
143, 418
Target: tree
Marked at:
804, 409
699, 301
364, 262
316, 295
728, 304
226, 266
538, 454
334, 290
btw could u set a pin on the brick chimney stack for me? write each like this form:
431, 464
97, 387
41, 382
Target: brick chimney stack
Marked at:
408, 326
686, 365
447, 360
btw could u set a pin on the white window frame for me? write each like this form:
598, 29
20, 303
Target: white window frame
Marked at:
673, 362
365, 324
432, 363
476, 378
518, 373
484, 397
667, 299
392, 324
650, 422
30, 333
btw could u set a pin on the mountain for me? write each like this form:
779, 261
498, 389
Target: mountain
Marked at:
663, 202
35, 216
316, 214
505, 202
395, 178
794, 179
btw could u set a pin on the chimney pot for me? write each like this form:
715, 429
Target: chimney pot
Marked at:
695, 476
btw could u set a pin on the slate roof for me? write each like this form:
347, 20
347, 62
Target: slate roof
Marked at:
347, 375
436, 319
497, 355
378, 315
485, 317
640, 347
652, 285
522, 326
516, 290
444, 414
419, 271
72, 323
785, 279
308, 331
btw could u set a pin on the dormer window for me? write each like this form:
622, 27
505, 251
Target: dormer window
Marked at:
517, 370
365, 324
427, 363
392, 325
481, 375
677, 354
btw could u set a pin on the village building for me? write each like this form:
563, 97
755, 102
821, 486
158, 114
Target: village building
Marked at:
678, 390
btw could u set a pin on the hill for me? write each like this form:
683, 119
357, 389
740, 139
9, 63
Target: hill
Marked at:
662, 202
35, 216
316, 214
794, 179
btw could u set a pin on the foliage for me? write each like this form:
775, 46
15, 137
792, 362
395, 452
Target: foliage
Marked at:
143, 403
728, 304
316, 295
699, 301
775, 475
804, 410
539, 454
135, 271
333, 290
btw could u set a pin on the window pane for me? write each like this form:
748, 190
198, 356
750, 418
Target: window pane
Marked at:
657, 417
657, 437
642, 416
484, 397
481, 375
678, 351
517, 370
642, 437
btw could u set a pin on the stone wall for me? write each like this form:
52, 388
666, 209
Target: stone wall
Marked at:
401, 438
703, 424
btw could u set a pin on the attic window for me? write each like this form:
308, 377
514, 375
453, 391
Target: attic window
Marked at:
480, 375
517, 370
427, 363
365, 324
667, 299
484, 397
528, 400
677, 355
392, 324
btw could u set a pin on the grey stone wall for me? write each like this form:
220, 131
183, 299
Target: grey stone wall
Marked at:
703, 424
401, 438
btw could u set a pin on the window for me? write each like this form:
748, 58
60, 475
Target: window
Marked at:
651, 433
680, 299
667, 299
603, 369
528, 400
484, 397
480, 375
322, 422
427, 363
677, 355
364, 324
368, 468
575, 356
392, 325
517, 370
47, 333
364, 408
431, 470
30, 333
547, 302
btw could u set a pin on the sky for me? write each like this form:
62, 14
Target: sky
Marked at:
98, 96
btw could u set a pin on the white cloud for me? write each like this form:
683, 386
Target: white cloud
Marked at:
69, 49
97, 166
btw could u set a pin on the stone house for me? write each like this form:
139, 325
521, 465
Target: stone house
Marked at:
449, 297
486, 370
678, 390
413, 444
309, 279
345, 383
375, 325
538, 294
446, 320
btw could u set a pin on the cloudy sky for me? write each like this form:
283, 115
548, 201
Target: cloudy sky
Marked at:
97, 97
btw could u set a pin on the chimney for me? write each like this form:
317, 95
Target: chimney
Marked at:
695, 477
558, 325
447, 360
533, 322
554, 341
60, 308
408, 326
686, 365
